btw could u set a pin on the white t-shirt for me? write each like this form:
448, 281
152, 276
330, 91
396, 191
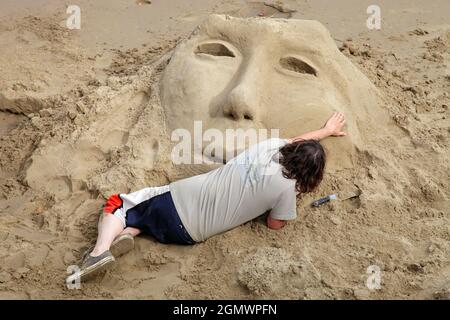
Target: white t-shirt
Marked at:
246, 187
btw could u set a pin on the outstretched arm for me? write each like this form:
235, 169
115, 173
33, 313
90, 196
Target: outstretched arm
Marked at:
333, 127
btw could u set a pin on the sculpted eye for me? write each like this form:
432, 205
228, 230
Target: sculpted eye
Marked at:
297, 65
214, 49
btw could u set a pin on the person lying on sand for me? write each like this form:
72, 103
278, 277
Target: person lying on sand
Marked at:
268, 176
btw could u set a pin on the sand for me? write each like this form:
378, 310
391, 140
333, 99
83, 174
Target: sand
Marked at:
81, 118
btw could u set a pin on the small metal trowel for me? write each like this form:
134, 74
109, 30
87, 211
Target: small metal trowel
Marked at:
341, 196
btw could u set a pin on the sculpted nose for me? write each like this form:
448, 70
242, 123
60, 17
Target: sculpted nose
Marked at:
240, 104
243, 101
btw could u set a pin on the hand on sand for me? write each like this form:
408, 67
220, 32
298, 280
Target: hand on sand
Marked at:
334, 125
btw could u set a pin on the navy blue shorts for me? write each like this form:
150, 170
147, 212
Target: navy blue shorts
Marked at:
158, 217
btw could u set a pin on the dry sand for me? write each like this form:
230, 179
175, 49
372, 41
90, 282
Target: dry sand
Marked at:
80, 119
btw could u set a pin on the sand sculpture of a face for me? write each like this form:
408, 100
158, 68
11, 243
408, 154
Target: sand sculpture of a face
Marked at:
267, 73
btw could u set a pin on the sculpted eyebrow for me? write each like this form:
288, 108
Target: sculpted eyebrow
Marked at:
303, 49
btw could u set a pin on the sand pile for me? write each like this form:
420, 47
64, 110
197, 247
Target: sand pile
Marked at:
110, 133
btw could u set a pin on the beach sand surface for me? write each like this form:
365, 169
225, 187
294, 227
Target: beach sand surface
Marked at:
79, 121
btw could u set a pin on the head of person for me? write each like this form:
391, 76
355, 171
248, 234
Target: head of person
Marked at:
303, 161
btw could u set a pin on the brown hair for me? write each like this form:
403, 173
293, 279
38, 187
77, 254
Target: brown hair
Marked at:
304, 161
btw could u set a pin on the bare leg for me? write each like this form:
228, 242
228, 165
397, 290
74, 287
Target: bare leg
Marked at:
109, 227
130, 230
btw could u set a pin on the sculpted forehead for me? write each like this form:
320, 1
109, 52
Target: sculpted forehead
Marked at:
289, 34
